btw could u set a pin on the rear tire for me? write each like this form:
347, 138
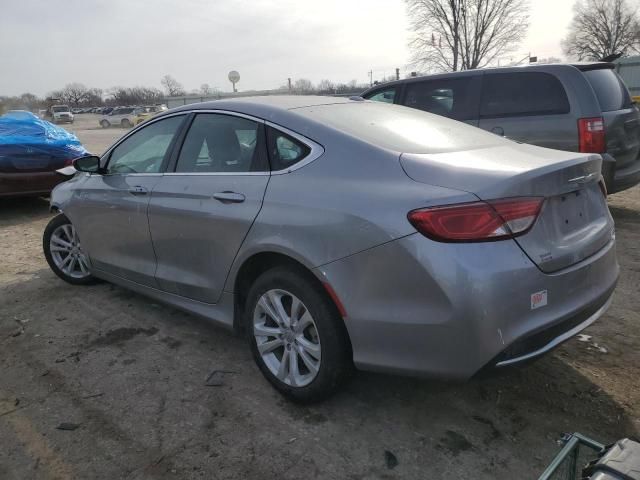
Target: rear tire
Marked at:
104, 124
125, 123
63, 252
308, 359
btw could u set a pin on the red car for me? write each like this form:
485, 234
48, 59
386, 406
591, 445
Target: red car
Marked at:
31, 150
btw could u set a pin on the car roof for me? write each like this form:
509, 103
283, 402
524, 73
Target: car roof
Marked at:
267, 102
582, 66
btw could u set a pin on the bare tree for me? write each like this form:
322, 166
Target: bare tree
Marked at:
326, 86
601, 28
72, 93
451, 35
172, 86
302, 86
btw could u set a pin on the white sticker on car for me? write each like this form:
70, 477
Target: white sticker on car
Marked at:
538, 299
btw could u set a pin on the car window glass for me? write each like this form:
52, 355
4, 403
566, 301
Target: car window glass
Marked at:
284, 150
386, 96
522, 93
451, 98
220, 143
611, 93
144, 151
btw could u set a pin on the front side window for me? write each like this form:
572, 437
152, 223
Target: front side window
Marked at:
451, 98
221, 143
284, 150
145, 150
522, 94
386, 96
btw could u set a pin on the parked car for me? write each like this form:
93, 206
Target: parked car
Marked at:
60, 114
141, 114
582, 107
31, 150
122, 117
337, 231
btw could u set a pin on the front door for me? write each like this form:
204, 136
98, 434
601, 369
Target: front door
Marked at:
111, 217
200, 214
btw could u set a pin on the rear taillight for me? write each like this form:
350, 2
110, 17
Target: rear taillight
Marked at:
477, 221
591, 135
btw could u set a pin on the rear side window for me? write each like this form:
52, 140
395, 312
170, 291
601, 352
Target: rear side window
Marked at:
611, 92
219, 143
451, 98
521, 94
386, 96
284, 150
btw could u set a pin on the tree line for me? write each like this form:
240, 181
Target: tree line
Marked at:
451, 35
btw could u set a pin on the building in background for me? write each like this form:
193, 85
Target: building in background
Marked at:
629, 69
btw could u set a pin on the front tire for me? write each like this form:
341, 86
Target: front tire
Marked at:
64, 254
296, 335
104, 124
126, 123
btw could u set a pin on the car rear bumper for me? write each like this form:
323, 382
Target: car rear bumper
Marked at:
626, 177
28, 184
448, 310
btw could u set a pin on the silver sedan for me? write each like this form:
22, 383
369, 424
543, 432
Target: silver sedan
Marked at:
342, 232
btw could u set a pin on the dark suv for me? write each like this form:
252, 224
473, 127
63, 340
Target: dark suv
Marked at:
582, 107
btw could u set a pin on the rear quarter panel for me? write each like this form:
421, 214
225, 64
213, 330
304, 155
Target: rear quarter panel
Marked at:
352, 198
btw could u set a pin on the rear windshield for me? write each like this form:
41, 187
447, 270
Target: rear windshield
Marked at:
60, 109
398, 128
611, 92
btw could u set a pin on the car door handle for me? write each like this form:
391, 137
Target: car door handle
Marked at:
138, 190
229, 197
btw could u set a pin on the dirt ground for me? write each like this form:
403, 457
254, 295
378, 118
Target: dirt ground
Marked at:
100, 383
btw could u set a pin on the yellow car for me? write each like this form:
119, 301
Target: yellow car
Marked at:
141, 114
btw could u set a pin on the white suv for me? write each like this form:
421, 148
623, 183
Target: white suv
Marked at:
60, 114
119, 117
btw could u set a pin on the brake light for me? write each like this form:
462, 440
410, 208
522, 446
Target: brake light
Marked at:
591, 135
477, 221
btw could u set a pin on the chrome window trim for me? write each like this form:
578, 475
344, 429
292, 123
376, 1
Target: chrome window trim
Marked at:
316, 149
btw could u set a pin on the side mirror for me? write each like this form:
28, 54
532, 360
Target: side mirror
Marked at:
88, 163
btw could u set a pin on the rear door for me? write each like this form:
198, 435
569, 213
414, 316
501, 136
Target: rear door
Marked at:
111, 214
621, 120
529, 107
456, 98
201, 212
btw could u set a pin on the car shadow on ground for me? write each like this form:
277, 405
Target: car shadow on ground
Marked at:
20, 210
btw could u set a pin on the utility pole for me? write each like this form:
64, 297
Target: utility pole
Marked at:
397, 74
289, 82
370, 78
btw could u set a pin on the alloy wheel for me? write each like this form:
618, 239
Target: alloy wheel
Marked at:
287, 338
67, 253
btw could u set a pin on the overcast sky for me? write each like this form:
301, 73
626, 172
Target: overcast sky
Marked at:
45, 44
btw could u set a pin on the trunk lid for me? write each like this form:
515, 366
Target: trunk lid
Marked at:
574, 222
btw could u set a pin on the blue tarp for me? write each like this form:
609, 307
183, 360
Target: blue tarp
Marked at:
24, 129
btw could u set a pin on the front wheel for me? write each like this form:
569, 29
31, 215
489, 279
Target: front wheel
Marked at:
104, 124
126, 123
296, 335
64, 254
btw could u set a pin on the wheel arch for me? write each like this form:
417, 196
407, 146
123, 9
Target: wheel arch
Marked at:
258, 263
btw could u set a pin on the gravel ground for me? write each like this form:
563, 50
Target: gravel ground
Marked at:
124, 377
